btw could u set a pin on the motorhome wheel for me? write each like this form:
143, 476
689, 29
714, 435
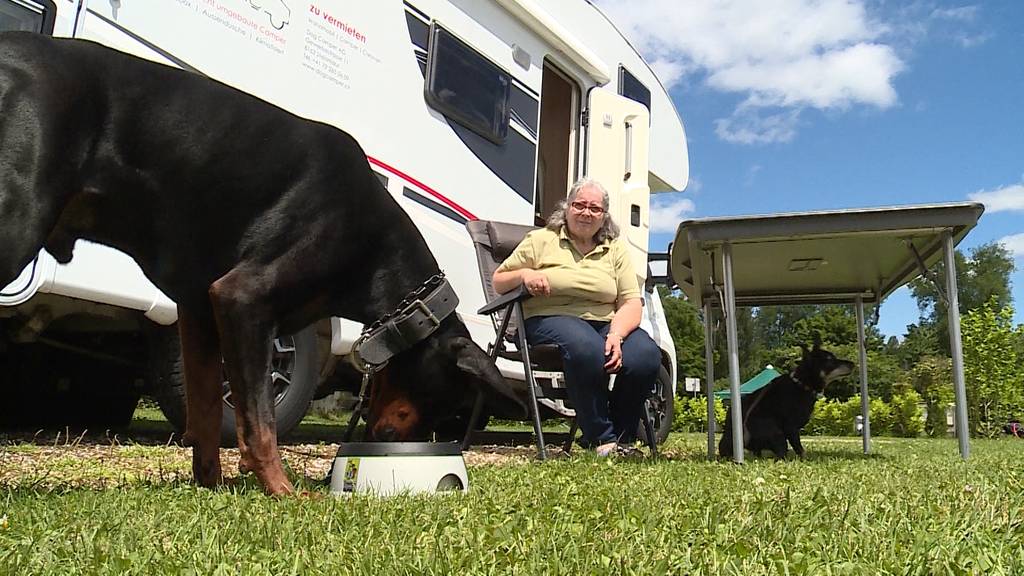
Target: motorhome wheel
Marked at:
294, 371
664, 409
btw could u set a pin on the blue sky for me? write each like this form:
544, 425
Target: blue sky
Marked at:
793, 105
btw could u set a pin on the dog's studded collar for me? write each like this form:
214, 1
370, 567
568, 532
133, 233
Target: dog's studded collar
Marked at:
417, 316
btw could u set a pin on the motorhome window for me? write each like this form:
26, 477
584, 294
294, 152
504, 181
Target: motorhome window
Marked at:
631, 87
27, 15
466, 87
419, 31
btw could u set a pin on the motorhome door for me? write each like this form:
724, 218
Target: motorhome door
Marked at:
617, 141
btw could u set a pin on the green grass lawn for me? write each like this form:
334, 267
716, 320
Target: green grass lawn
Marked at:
911, 508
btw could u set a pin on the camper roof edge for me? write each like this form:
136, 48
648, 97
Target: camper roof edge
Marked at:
538, 20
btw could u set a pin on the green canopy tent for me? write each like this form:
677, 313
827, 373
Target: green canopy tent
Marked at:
754, 384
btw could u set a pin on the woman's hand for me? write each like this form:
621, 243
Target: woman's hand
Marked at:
626, 319
536, 283
613, 353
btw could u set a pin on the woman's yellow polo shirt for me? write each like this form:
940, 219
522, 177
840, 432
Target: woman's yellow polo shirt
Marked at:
587, 286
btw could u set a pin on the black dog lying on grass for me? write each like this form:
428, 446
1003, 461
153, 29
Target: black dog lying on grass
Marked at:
777, 412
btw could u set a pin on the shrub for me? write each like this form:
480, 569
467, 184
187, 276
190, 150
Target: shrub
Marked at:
907, 420
881, 415
691, 414
901, 417
932, 379
827, 419
991, 374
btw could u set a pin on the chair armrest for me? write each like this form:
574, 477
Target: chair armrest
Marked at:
517, 294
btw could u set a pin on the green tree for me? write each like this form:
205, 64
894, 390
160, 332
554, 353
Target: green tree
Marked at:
906, 415
932, 378
885, 376
687, 329
776, 333
785, 326
749, 346
1018, 346
835, 324
773, 335
773, 325
992, 375
983, 277
921, 341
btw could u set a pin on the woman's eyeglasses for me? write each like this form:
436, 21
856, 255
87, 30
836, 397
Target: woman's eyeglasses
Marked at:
582, 207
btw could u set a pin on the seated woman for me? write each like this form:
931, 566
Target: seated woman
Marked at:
587, 301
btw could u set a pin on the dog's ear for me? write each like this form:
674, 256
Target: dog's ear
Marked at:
480, 369
817, 341
804, 351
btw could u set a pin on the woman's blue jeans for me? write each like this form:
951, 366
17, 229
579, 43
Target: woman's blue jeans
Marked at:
603, 416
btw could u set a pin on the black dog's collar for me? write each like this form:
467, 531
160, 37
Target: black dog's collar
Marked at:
415, 318
794, 378
800, 383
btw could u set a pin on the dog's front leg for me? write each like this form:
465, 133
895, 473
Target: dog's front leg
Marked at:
204, 378
778, 447
794, 441
246, 332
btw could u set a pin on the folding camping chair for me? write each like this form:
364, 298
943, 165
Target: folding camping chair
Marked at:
542, 364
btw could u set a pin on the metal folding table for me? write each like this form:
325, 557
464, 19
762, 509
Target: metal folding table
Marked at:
837, 257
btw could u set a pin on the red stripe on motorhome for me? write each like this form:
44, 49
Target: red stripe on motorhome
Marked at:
465, 213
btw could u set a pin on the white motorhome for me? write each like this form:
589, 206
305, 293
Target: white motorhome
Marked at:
467, 109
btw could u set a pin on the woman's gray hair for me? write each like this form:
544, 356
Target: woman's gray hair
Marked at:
609, 230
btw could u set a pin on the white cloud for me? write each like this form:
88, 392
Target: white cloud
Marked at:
1014, 243
958, 24
775, 53
749, 126
667, 210
970, 41
668, 71
858, 74
1005, 199
961, 13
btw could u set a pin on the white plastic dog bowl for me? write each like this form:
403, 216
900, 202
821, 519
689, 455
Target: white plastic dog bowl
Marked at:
386, 468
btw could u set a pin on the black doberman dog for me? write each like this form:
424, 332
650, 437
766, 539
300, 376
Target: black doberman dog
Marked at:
254, 221
778, 412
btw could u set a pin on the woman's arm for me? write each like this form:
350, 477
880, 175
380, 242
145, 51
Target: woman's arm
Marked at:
626, 319
536, 282
518, 269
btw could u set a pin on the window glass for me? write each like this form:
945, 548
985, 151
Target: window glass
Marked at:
21, 15
631, 87
467, 87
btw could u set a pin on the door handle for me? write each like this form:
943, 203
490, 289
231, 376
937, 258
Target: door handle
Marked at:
629, 151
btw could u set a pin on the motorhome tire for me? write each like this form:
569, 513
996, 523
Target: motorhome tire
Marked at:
664, 409
49, 387
295, 369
